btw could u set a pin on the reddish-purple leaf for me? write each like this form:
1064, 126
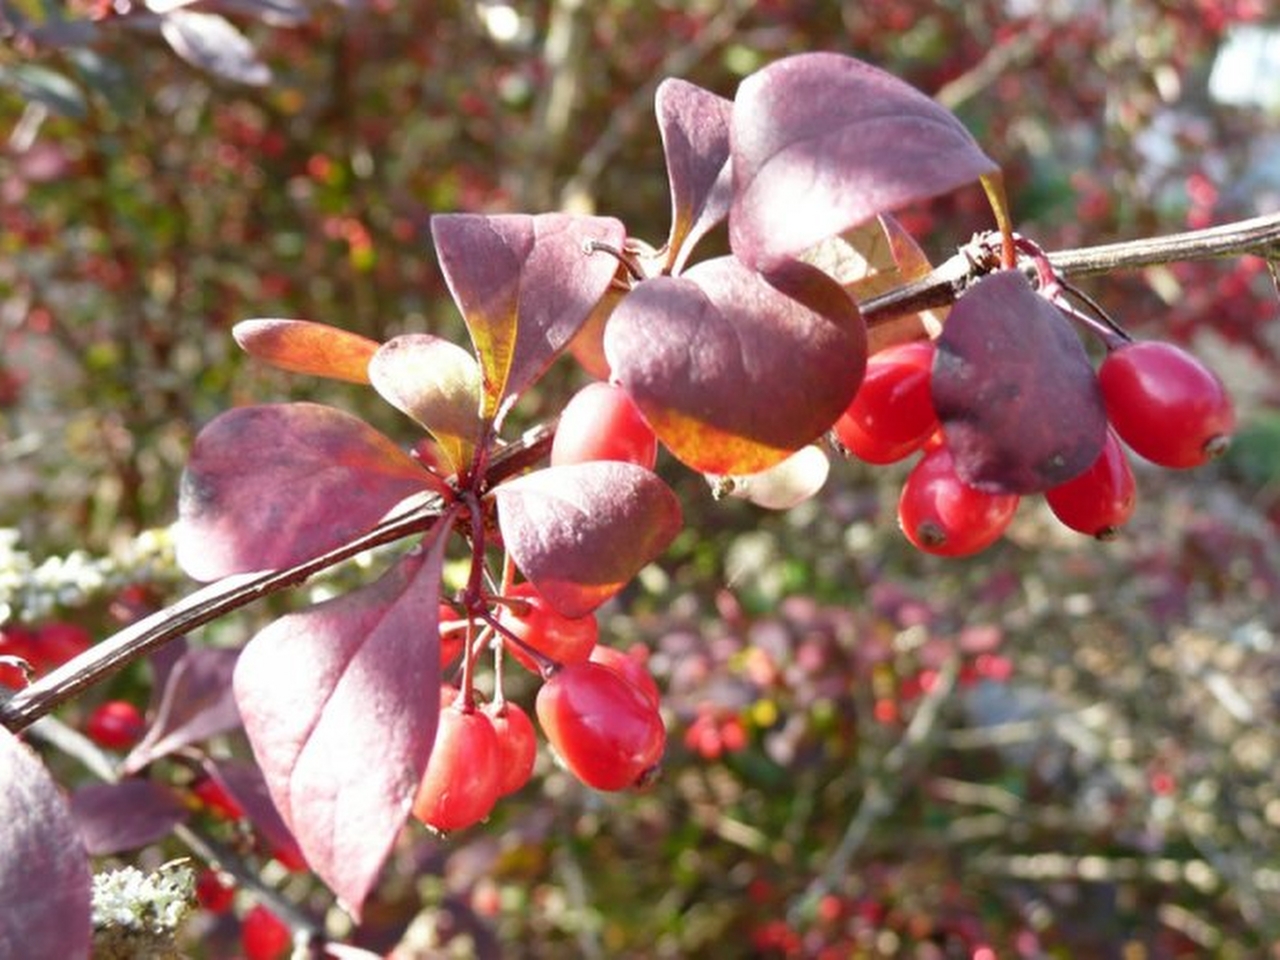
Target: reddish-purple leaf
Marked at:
525, 284
822, 142
303, 346
1018, 399
195, 703
269, 486
44, 871
581, 532
340, 702
114, 817
695, 139
733, 374
437, 383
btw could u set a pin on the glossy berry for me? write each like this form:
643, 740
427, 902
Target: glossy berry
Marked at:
115, 725
213, 893
1099, 501
517, 744
631, 669
609, 734
461, 782
558, 639
891, 415
15, 641
940, 513
602, 422
1165, 404
263, 935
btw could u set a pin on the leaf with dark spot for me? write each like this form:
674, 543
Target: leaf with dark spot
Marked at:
1018, 399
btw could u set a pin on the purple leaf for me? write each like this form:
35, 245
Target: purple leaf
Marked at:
195, 703
340, 702
214, 44
1019, 402
581, 532
525, 284
270, 486
44, 872
822, 142
695, 139
114, 817
733, 374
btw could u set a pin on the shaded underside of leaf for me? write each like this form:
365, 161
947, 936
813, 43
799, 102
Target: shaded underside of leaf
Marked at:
733, 374
580, 532
1018, 399
195, 703
694, 124
340, 702
822, 142
114, 817
437, 383
44, 872
269, 486
524, 284
304, 346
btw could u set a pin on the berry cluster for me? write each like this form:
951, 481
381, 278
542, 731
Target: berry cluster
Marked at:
1160, 401
597, 706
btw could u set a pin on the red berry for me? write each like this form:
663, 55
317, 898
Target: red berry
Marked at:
517, 744
212, 892
607, 732
537, 625
1165, 404
630, 668
263, 935
454, 638
17, 642
115, 725
461, 782
57, 642
1100, 500
215, 797
891, 415
602, 422
942, 514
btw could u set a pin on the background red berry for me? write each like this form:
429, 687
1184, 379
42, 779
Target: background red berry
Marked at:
115, 725
263, 935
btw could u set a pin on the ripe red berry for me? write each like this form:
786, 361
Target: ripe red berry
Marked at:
216, 799
607, 732
461, 782
517, 744
891, 415
537, 625
940, 513
630, 668
56, 642
213, 892
115, 725
1100, 500
602, 422
15, 641
263, 935
1165, 404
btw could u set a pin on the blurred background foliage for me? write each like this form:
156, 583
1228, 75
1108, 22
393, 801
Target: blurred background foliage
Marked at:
1058, 748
